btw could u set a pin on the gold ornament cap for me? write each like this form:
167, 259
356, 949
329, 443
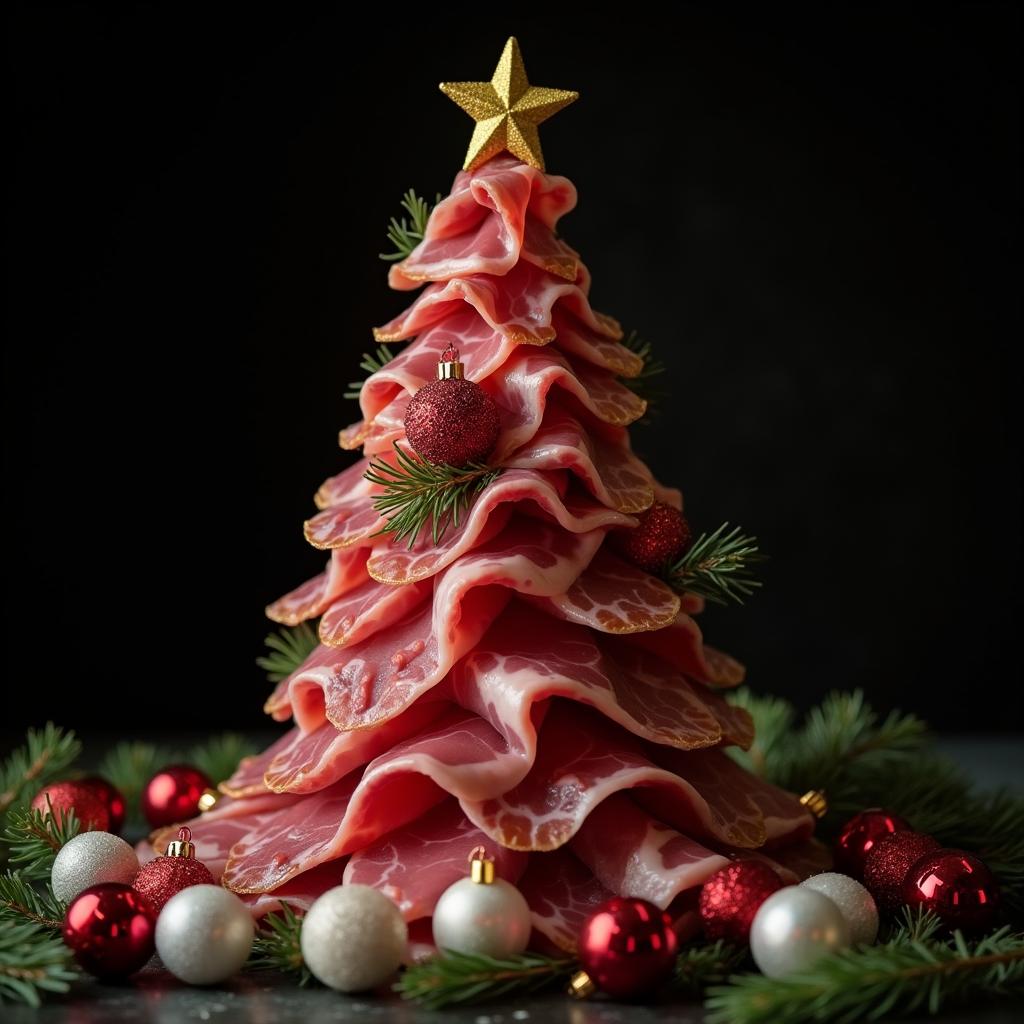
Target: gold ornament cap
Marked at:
816, 802
208, 800
449, 367
182, 846
481, 866
581, 985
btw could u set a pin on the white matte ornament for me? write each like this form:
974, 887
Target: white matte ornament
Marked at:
353, 938
204, 934
793, 928
491, 920
855, 903
90, 858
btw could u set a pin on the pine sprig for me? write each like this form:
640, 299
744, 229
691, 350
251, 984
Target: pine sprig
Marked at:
277, 947
418, 493
371, 363
717, 566
645, 383
129, 766
32, 960
19, 900
406, 233
45, 756
218, 757
905, 975
289, 648
698, 967
460, 978
34, 837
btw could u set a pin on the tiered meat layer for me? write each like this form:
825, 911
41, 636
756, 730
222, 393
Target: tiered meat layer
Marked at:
516, 685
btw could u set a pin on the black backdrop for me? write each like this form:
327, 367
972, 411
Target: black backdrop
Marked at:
811, 213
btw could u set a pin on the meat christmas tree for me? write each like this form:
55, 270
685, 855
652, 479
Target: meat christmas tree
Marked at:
523, 671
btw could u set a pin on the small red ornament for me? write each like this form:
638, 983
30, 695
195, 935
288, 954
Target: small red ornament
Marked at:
859, 836
452, 421
662, 536
174, 794
111, 929
164, 877
888, 862
627, 947
89, 807
731, 896
112, 799
956, 886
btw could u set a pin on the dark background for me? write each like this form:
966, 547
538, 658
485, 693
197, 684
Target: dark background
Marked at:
812, 213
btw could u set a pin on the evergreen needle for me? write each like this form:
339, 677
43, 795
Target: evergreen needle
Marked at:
32, 960
717, 566
289, 648
371, 363
405, 234
34, 837
277, 947
418, 493
644, 383
20, 900
46, 754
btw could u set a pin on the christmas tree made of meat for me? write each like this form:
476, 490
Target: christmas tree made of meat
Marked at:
517, 683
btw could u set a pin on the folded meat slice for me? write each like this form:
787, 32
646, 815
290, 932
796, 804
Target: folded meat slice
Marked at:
416, 863
368, 608
345, 571
496, 215
519, 305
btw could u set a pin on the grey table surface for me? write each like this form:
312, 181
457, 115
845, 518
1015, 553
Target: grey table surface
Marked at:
154, 997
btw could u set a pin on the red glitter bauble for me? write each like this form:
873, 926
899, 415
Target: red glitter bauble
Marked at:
112, 799
89, 807
731, 897
859, 836
956, 886
110, 928
662, 536
452, 422
627, 946
888, 862
173, 794
165, 877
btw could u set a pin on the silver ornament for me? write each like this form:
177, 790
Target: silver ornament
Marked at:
793, 928
492, 919
90, 858
353, 938
204, 934
855, 903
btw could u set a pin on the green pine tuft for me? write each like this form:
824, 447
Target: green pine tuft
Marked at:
289, 648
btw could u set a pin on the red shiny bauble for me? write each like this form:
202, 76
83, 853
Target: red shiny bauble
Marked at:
662, 536
956, 886
858, 837
173, 794
112, 799
888, 862
452, 422
731, 896
110, 928
627, 946
89, 807
164, 877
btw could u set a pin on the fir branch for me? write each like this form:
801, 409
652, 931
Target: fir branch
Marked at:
277, 947
644, 383
418, 492
45, 756
405, 234
773, 725
698, 967
903, 976
34, 838
461, 978
717, 566
32, 960
129, 766
218, 757
19, 900
371, 363
289, 648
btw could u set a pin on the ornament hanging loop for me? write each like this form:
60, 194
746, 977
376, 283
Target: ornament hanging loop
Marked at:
183, 845
481, 866
449, 367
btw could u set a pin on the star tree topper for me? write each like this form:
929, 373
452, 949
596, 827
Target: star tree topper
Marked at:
507, 110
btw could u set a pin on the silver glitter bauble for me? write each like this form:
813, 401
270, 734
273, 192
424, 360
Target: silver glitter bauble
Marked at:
793, 928
204, 934
353, 938
492, 919
855, 903
90, 858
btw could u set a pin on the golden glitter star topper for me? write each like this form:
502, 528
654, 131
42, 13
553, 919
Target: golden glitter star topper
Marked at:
507, 110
